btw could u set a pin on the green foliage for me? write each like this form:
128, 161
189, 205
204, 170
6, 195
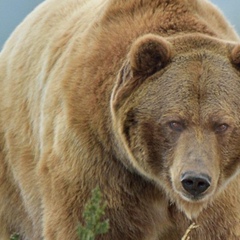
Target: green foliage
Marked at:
15, 236
93, 212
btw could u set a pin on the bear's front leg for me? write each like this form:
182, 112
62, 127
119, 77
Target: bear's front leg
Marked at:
61, 201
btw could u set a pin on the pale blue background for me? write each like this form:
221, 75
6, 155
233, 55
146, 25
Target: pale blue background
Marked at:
12, 13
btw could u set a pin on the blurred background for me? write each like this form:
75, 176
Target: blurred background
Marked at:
12, 12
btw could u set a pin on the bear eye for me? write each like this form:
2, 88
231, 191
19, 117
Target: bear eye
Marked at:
176, 126
221, 128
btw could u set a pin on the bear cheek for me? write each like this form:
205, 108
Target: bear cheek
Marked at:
231, 167
146, 144
152, 147
230, 155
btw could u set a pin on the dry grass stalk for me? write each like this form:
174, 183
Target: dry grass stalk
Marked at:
190, 228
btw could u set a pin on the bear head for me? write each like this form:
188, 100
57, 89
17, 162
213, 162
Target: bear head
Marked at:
176, 116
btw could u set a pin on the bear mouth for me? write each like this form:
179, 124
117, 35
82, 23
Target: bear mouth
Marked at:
194, 197
191, 209
192, 205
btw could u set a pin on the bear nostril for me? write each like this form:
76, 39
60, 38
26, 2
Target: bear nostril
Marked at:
195, 184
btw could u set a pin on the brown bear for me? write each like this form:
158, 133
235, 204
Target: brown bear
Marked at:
140, 98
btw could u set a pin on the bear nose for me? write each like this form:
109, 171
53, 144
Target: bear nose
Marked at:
195, 184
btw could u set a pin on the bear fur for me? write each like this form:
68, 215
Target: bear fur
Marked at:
130, 96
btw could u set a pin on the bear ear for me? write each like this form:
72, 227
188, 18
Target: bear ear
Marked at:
149, 54
235, 55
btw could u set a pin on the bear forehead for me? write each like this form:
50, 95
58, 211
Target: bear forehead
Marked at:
199, 83
197, 42
204, 75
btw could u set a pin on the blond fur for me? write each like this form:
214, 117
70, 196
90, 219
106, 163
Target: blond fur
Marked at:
61, 132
